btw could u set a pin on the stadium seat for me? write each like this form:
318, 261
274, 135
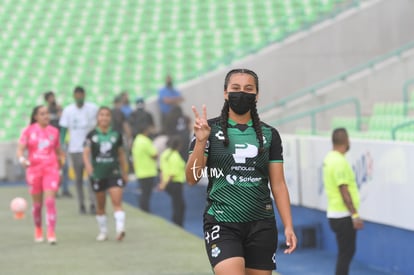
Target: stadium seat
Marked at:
107, 45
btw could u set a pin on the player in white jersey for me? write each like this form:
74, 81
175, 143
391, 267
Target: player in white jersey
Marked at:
79, 118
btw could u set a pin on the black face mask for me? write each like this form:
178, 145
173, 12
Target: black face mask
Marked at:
241, 102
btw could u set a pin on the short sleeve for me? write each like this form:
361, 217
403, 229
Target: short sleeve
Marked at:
24, 137
119, 142
151, 149
88, 140
192, 144
64, 119
276, 149
340, 173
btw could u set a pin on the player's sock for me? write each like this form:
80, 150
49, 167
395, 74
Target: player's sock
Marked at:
50, 214
119, 221
101, 219
120, 224
37, 214
102, 236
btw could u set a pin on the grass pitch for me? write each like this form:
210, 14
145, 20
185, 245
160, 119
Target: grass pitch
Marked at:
151, 246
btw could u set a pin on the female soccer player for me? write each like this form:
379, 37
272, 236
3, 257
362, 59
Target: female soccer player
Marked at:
172, 167
45, 156
107, 166
243, 155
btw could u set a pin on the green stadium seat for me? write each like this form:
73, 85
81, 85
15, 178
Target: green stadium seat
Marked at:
59, 44
350, 123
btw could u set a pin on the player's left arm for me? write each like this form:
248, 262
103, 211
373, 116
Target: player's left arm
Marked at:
59, 151
123, 163
60, 156
346, 196
282, 200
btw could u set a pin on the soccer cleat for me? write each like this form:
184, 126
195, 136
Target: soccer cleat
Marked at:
101, 237
120, 236
38, 235
51, 237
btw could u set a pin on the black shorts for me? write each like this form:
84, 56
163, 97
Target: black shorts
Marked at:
255, 241
99, 185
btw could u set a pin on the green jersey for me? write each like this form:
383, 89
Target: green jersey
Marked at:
104, 153
238, 174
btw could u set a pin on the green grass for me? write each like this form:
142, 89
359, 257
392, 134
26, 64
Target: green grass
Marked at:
152, 245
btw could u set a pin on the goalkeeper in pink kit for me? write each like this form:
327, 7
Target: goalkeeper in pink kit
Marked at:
45, 156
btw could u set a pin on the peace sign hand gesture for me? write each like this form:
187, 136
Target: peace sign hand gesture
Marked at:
201, 127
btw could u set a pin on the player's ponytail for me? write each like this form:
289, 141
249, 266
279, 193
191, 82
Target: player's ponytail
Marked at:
223, 122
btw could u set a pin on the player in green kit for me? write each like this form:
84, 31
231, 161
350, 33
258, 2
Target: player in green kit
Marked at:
240, 155
107, 166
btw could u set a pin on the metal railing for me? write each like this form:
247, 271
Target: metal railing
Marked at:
406, 95
340, 77
398, 127
313, 112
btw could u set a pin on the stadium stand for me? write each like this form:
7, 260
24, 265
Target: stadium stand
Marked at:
390, 120
108, 46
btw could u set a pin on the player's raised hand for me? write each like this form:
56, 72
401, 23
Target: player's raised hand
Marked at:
201, 127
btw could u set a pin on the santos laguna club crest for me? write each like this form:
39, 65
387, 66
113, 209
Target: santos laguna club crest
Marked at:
215, 251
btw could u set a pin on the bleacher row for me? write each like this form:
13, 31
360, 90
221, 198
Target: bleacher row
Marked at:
384, 118
109, 46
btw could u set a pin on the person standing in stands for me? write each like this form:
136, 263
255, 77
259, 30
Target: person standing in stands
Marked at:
79, 118
54, 109
107, 167
144, 159
125, 106
343, 200
45, 156
168, 97
178, 124
172, 167
120, 123
140, 118
242, 157
55, 112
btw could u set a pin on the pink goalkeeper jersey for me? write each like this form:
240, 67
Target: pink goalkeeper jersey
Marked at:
41, 144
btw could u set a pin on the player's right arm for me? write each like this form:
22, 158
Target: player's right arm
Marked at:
62, 134
197, 160
87, 156
21, 147
63, 125
20, 155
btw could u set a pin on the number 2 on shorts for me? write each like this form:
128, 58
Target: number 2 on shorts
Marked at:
214, 233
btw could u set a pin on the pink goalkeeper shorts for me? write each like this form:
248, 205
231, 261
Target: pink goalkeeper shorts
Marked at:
42, 178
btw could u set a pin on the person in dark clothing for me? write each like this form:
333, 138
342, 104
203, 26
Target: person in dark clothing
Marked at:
178, 124
172, 177
140, 119
55, 110
120, 123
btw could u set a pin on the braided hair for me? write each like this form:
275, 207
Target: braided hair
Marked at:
253, 111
